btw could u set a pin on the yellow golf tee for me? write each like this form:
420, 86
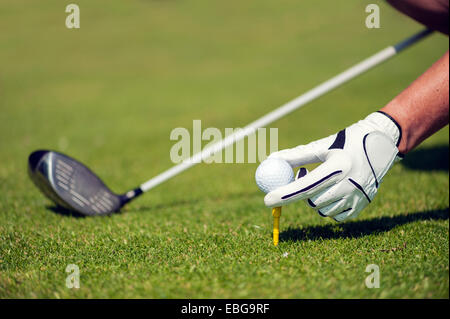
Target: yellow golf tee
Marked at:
276, 213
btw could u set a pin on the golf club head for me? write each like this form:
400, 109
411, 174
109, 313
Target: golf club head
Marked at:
71, 185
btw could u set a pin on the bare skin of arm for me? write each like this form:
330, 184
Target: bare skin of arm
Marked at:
422, 108
432, 13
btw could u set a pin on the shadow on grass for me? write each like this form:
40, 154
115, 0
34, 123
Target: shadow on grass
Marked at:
193, 201
357, 229
136, 208
64, 212
428, 159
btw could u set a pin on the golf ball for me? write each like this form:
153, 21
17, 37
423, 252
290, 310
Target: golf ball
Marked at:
273, 173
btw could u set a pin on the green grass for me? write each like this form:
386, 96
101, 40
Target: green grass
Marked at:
114, 90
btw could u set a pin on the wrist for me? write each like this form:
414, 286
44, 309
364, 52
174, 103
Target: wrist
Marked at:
394, 112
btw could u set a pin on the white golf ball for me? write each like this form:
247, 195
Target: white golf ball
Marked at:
273, 173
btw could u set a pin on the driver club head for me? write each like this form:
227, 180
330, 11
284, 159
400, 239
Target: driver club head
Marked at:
72, 185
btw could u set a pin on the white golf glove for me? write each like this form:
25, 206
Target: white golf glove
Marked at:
355, 160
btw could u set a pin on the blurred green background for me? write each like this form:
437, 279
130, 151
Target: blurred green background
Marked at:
110, 93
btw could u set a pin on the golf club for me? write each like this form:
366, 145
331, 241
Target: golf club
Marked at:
73, 186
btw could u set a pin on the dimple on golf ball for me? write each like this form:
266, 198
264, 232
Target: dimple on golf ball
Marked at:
273, 173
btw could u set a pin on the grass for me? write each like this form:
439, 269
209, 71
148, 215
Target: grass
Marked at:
113, 91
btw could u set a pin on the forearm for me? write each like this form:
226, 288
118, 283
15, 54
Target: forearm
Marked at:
423, 108
432, 13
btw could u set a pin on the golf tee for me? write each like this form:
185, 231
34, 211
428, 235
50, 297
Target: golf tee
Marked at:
276, 213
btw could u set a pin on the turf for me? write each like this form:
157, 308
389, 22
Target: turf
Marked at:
110, 93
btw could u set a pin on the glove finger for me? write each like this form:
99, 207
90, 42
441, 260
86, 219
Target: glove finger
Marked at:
311, 201
330, 195
311, 153
344, 215
338, 207
357, 205
325, 175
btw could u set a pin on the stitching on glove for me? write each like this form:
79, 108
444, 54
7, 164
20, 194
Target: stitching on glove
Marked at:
360, 188
339, 142
312, 185
346, 210
396, 124
370, 164
321, 214
311, 203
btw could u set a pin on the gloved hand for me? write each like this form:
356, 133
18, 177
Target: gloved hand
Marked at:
355, 160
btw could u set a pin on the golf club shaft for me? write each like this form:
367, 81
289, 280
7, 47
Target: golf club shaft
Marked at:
287, 108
